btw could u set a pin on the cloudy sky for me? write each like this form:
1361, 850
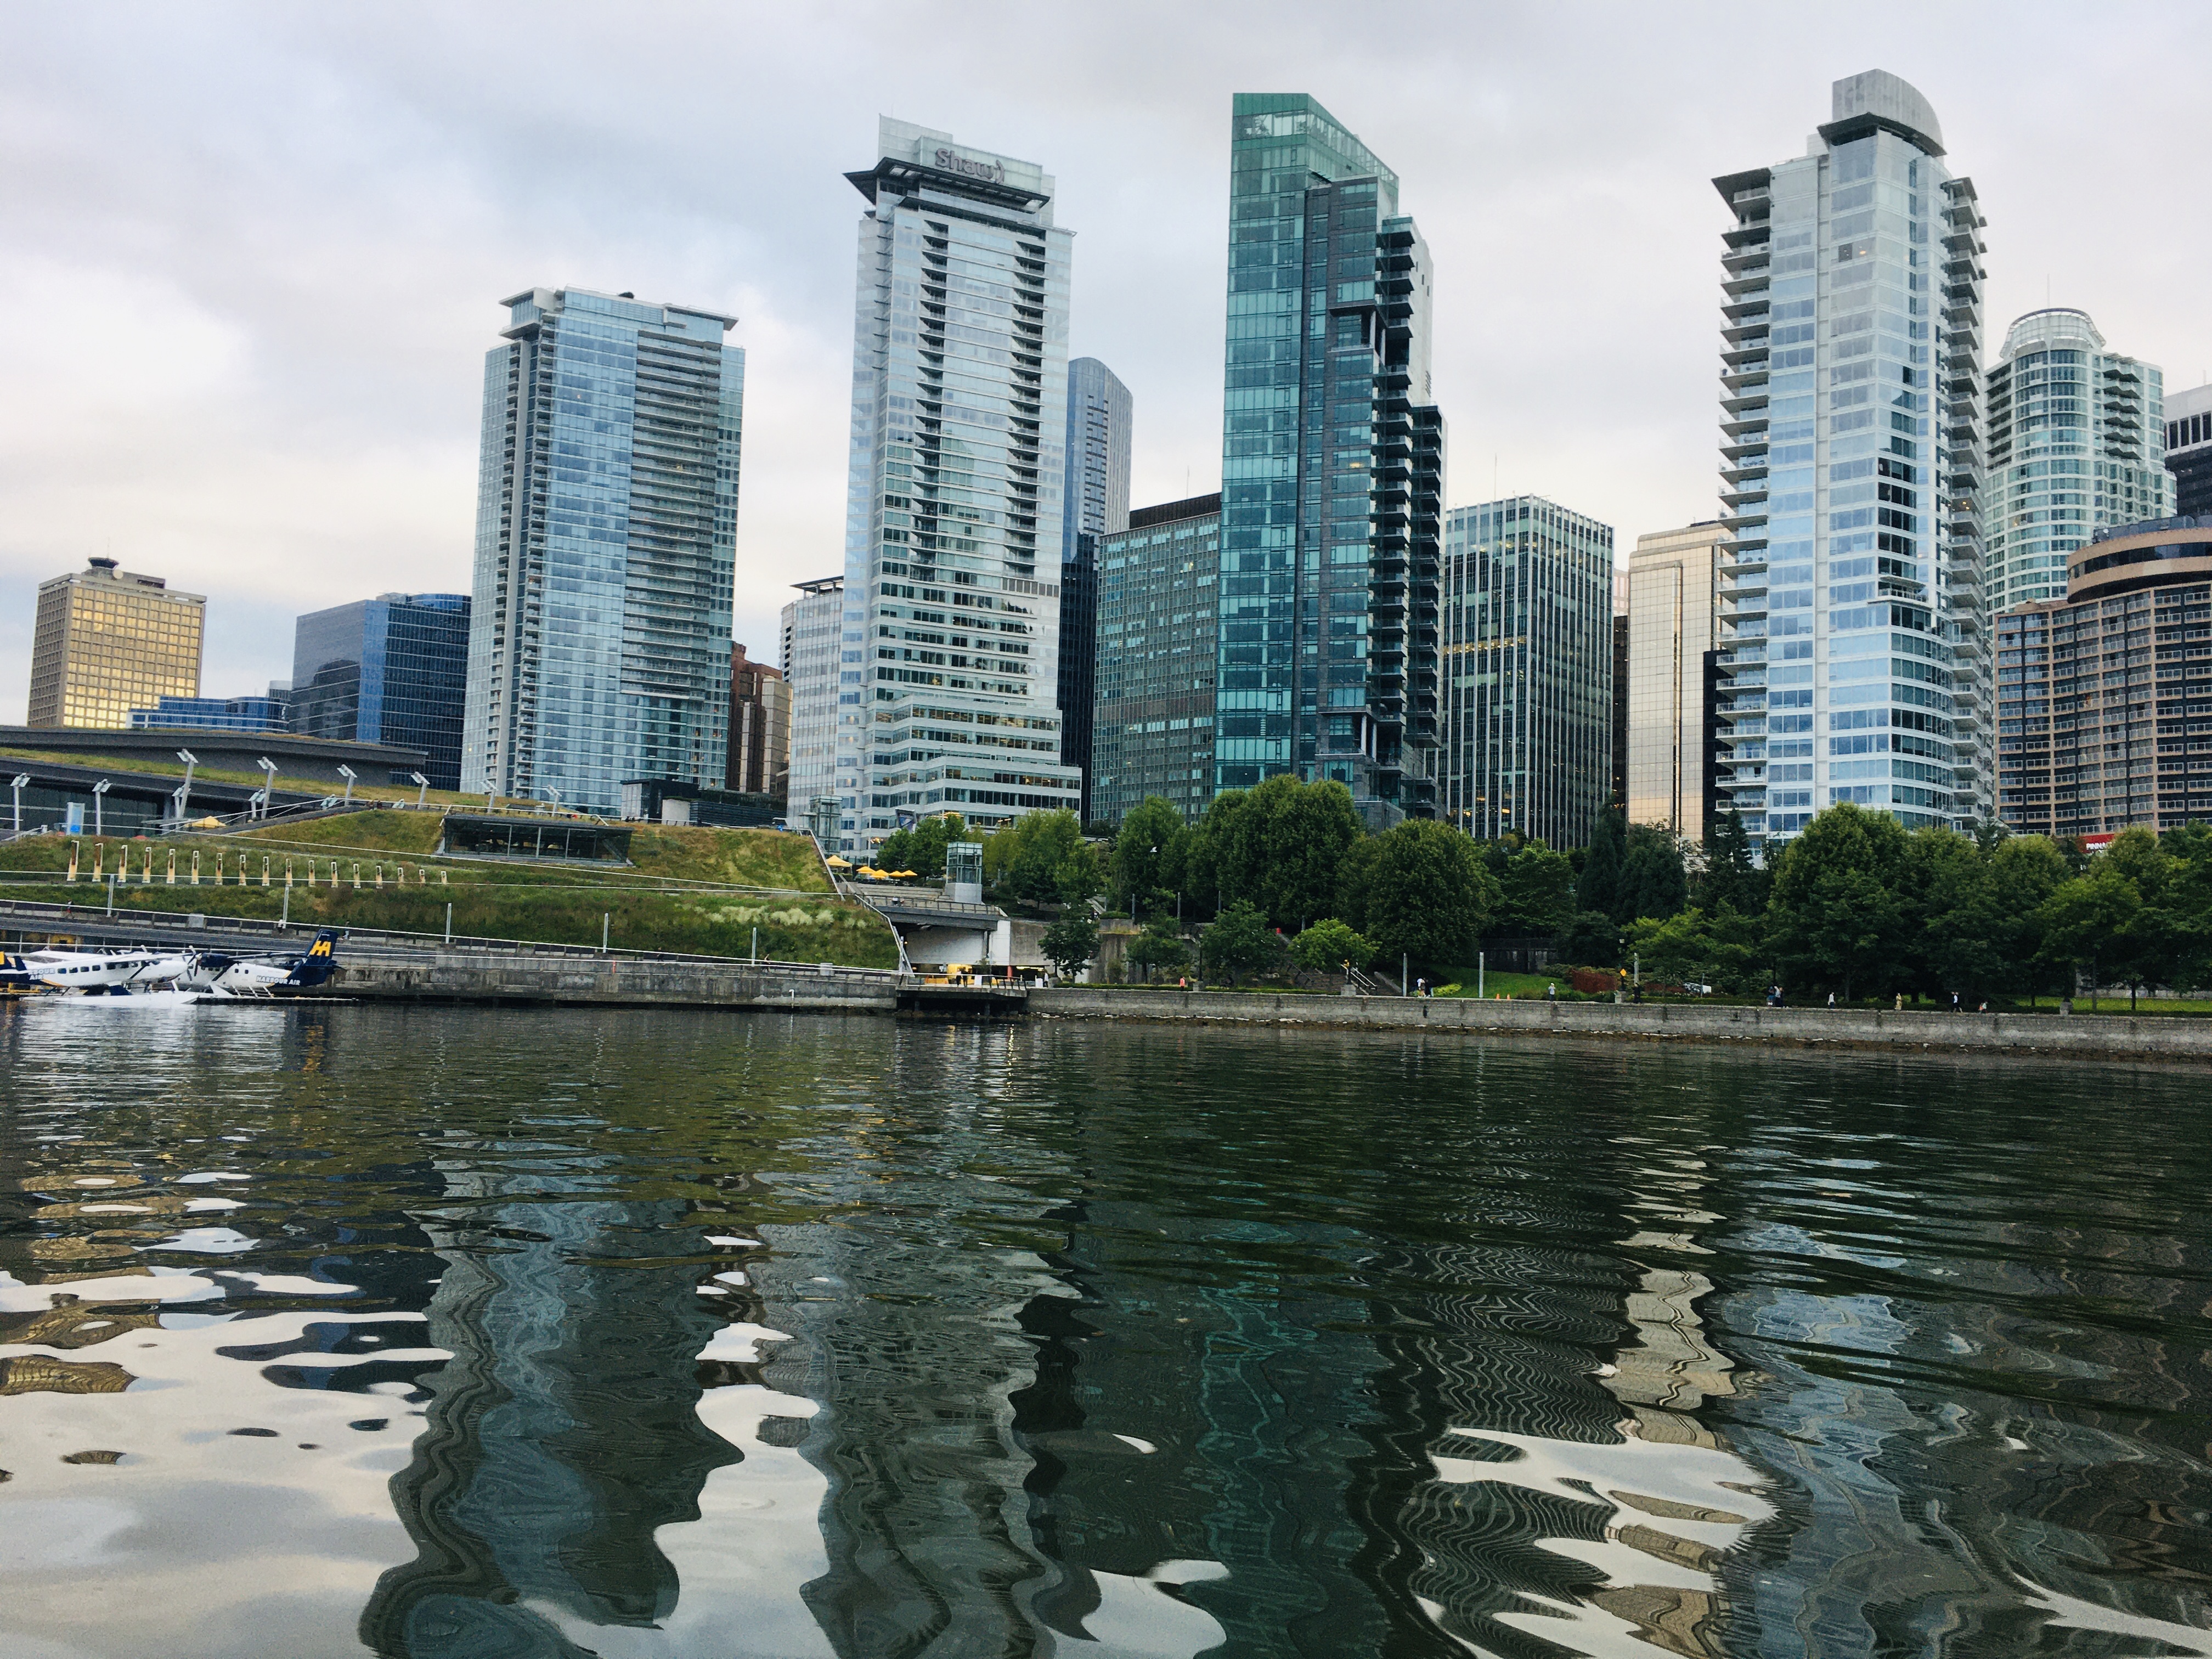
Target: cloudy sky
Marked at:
251, 255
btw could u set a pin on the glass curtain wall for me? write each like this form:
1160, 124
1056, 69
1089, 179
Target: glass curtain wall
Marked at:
1332, 469
1527, 659
1855, 643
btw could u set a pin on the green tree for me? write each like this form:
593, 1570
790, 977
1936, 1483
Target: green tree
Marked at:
1148, 855
1160, 946
1419, 891
1599, 886
1325, 945
1949, 891
1835, 916
1536, 890
1652, 881
922, 850
1731, 875
1305, 830
1071, 942
2025, 871
1023, 861
1721, 949
1238, 941
1080, 877
1202, 852
1589, 940
2085, 920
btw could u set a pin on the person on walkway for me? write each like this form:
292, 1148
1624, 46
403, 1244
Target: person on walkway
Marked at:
1552, 992
1832, 999
1954, 1002
1900, 1002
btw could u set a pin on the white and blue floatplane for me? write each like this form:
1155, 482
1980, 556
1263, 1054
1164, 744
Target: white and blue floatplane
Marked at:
139, 975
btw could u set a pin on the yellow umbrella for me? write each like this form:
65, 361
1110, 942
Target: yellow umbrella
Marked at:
903, 875
836, 863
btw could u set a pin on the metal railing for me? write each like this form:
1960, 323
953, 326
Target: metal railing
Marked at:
381, 943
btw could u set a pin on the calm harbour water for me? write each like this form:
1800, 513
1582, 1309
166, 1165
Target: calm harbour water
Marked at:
462, 1334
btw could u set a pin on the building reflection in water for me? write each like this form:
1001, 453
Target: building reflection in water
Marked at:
564, 1432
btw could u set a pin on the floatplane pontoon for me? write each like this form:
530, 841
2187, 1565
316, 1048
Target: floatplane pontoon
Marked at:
140, 976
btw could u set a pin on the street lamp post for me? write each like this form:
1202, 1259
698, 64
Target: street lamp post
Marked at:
347, 773
268, 784
422, 787
16, 787
184, 796
98, 819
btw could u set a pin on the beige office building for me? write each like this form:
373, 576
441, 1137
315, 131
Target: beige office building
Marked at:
1673, 576
108, 641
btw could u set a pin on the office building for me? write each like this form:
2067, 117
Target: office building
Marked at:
1673, 586
812, 625
1619, 793
1158, 623
1098, 422
390, 670
1078, 658
1332, 469
1527, 671
2189, 450
948, 677
1854, 651
2077, 443
760, 727
606, 534
106, 640
211, 715
2104, 706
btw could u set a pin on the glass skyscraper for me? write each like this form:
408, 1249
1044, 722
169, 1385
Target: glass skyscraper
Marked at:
1527, 670
1674, 579
1854, 644
393, 669
606, 537
1332, 469
948, 673
2189, 450
106, 640
1158, 630
1098, 422
812, 625
2078, 442
1099, 411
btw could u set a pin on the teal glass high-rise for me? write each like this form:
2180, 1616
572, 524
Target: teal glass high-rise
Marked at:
1332, 467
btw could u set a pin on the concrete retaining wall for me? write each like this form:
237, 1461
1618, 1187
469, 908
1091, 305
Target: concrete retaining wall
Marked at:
477, 977
2110, 1035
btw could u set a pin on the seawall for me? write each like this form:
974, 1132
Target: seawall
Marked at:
2116, 1037
480, 977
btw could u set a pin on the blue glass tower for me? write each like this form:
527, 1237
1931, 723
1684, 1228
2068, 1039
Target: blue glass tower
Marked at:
1332, 467
606, 537
393, 669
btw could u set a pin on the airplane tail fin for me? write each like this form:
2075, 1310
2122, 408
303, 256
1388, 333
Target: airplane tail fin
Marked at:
320, 962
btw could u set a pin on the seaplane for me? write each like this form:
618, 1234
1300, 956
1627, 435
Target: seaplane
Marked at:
140, 976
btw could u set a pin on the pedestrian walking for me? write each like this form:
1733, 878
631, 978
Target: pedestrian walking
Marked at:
1832, 999
1552, 992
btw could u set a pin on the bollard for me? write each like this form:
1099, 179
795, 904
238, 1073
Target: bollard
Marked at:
72, 869
356, 878
380, 875
169, 876
196, 867
265, 869
98, 852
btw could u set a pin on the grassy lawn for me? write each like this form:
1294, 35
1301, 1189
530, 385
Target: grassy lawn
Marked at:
1520, 986
660, 905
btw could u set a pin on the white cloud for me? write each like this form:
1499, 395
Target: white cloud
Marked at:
255, 250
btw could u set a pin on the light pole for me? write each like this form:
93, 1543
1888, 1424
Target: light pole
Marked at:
421, 788
347, 773
554, 795
98, 819
22, 778
185, 789
267, 783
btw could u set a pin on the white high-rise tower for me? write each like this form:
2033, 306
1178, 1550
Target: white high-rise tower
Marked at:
947, 674
1854, 639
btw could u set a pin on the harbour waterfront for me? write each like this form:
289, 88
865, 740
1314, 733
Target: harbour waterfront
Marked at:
456, 1332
